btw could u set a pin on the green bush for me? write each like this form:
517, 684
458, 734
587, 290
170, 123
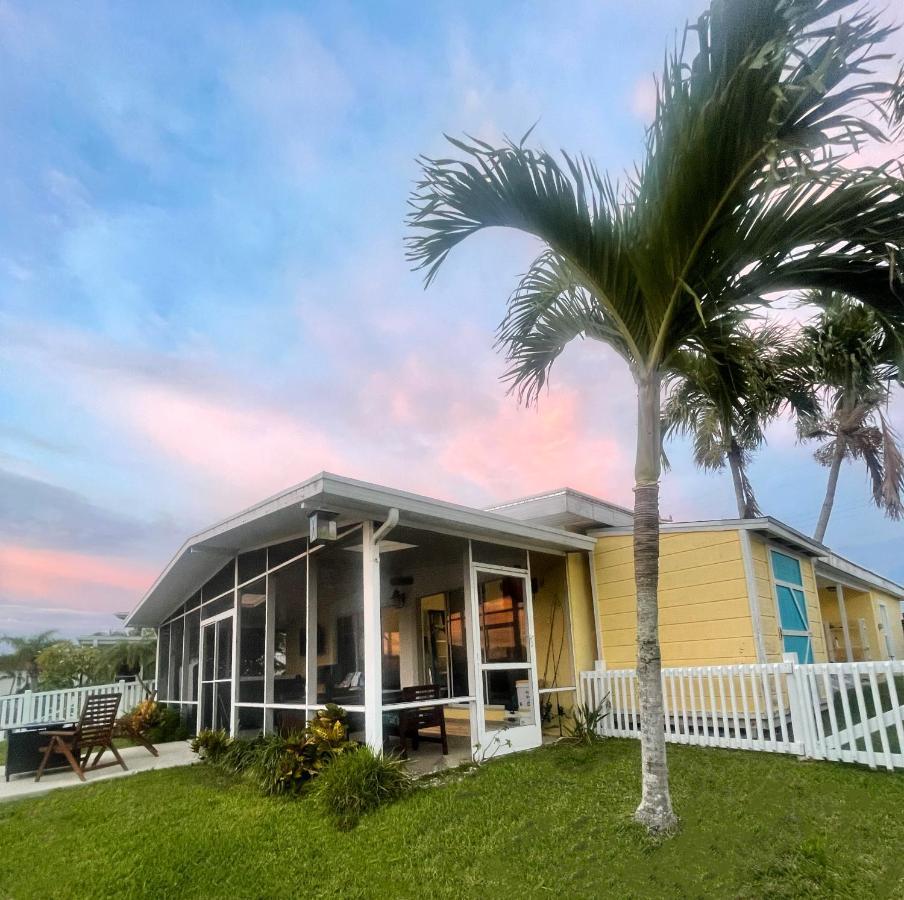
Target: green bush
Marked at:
280, 764
357, 783
210, 745
167, 727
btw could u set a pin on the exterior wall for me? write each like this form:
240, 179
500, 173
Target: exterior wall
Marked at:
896, 632
768, 606
580, 607
552, 638
704, 608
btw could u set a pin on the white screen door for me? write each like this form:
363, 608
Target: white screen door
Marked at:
508, 705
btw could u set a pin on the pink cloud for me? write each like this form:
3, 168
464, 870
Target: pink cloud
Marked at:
71, 580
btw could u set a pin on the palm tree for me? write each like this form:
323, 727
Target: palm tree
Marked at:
23, 656
135, 656
765, 374
855, 363
739, 195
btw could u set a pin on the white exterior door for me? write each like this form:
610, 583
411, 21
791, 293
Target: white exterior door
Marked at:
508, 714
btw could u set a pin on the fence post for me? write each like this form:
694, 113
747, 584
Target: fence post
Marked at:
798, 700
28, 706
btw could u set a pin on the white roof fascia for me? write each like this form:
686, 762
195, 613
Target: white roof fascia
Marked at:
836, 568
568, 500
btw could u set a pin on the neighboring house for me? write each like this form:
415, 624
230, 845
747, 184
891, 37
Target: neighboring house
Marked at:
347, 592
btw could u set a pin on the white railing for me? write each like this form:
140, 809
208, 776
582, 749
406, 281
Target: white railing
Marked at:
849, 712
64, 705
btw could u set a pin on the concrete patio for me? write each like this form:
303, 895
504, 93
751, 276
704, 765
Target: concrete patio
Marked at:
137, 759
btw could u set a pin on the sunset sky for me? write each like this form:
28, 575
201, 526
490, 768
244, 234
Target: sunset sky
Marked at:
204, 297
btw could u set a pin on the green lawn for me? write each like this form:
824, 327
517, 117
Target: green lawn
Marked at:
552, 822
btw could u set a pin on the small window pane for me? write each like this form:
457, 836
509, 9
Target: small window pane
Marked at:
175, 667
251, 564
190, 672
280, 553
224, 648
194, 601
222, 581
502, 618
209, 640
207, 706
251, 721
497, 555
218, 606
786, 568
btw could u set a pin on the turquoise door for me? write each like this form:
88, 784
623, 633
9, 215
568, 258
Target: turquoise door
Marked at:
792, 607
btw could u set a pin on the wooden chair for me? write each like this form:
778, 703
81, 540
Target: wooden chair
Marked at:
94, 730
412, 721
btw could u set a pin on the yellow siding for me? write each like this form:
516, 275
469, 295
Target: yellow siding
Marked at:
768, 606
895, 632
580, 608
704, 608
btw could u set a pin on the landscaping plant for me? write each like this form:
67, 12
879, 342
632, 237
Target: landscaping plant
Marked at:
357, 783
587, 721
741, 195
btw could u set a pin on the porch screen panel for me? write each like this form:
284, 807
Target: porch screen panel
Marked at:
289, 589
190, 672
252, 640
163, 653
176, 656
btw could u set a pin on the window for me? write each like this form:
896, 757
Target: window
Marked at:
792, 606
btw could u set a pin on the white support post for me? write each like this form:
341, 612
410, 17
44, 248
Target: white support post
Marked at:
310, 619
848, 652
373, 663
269, 652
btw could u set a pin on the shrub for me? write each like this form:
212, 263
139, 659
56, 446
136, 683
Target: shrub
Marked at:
358, 782
587, 721
168, 727
156, 722
210, 745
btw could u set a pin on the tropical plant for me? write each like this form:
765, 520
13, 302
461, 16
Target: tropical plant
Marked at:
357, 783
855, 363
210, 745
138, 657
724, 402
740, 194
22, 657
588, 720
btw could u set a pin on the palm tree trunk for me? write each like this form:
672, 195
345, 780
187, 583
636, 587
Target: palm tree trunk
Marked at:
655, 809
826, 511
734, 464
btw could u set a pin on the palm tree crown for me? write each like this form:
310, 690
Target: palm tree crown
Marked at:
855, 362
739, 194
767, 374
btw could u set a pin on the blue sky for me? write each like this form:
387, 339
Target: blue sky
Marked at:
204, 297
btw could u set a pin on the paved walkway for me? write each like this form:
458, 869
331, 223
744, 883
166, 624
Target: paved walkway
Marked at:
136, 758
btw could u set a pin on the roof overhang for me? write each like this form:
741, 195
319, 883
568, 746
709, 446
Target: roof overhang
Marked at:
838, 570
286, 515
566, 508
764, 525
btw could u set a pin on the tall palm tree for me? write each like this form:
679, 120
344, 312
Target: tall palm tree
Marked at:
856, 364
765, 373
739, 195
22, 658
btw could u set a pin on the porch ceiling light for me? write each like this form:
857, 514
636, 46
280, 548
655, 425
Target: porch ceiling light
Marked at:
323, 525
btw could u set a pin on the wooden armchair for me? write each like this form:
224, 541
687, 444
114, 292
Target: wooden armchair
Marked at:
412, 721
94, 730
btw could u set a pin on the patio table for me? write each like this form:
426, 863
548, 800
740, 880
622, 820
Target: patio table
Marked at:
23, 749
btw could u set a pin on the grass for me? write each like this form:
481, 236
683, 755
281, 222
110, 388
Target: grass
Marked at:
556, 821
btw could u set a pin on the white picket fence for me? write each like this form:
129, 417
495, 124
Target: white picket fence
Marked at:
62, 706
849, 712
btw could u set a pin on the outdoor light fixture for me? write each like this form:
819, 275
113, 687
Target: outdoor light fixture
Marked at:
323, 525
